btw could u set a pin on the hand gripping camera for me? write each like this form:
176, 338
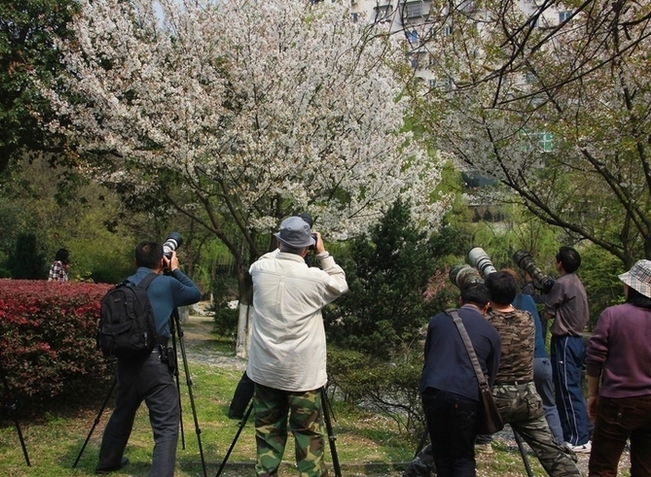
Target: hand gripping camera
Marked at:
540, 280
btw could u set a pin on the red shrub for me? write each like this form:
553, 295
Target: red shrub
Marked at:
47, 335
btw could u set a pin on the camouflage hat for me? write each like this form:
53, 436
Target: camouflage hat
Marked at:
639, 277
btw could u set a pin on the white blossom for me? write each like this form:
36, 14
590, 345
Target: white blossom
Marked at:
258, 106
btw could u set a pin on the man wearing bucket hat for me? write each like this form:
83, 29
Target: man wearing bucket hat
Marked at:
287, 357
619, 378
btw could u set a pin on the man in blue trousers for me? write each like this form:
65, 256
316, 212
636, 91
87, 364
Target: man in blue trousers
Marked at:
567, 305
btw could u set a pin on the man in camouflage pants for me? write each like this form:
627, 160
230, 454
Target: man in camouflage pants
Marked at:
514, 390
287, 357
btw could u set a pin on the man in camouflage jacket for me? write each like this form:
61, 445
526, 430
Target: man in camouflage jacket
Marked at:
514, 390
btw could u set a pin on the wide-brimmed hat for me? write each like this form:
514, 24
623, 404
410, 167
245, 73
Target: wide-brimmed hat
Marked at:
639, 277
295, 232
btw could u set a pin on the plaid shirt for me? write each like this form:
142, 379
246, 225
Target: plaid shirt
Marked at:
57, 273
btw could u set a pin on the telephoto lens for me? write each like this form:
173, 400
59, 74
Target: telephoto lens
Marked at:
526, 262
463, 274
172, 242
479, 258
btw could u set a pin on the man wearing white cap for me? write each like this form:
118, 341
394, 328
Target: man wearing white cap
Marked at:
619, 378
287, 357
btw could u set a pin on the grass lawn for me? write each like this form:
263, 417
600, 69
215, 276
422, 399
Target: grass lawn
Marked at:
367, 444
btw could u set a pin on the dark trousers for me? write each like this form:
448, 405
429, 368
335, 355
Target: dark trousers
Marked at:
619, 420
451, 425
149, 380
544, 381
568, 354
241, 397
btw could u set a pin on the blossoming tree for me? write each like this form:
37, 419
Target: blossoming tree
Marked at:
554, 102
240, 113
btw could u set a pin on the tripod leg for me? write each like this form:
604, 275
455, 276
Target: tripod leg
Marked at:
525, 459
188, 379
178, 386
12, 408
331, 436
241, 425
99, 414
421, 443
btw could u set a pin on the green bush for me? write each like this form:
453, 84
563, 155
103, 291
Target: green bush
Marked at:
224, 290
25, 261
388, 388
599, 272
388, 274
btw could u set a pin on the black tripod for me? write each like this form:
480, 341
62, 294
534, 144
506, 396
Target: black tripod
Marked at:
175, 326
326, 417
178, 331
11, 411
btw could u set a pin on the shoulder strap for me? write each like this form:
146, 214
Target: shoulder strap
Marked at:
145, 282
454, 314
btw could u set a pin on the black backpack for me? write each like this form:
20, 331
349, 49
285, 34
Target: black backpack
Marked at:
127, 328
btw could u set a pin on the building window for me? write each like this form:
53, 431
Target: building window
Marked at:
546, 142
383, 13
530, 77
447, 30
413, 9
563, 16
432, 83
412, 36
541, 141
354, 17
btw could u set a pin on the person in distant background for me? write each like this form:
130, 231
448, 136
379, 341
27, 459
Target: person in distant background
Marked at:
60, 266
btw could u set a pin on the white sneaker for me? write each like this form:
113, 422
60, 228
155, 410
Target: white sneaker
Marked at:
580, 449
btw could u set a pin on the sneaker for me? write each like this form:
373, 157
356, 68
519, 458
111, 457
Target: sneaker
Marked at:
106, 470
581, 449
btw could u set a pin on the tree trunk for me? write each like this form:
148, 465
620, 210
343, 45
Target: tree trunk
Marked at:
243, 329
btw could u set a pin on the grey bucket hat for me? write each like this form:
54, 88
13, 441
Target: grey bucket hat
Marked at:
639, 277
295, 232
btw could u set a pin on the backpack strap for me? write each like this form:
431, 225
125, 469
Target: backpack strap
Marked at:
145, 282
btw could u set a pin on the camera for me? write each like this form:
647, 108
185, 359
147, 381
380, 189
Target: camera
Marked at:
172, 242
479, 258
526, 262
463, 274
310, 221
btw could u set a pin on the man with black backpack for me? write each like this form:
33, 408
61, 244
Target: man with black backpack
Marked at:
150, 377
